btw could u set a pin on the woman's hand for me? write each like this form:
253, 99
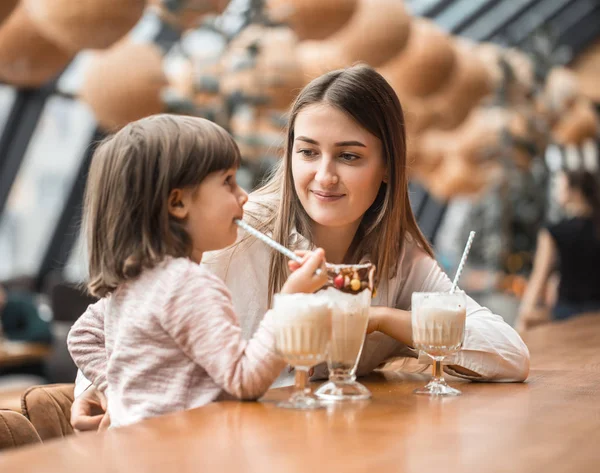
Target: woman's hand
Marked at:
88, 411
303, 277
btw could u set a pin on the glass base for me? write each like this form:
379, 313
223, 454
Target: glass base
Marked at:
435, 388
343, 391
301, 401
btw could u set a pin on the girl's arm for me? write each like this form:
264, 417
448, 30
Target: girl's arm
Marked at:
545, 257
86, 344
202, 322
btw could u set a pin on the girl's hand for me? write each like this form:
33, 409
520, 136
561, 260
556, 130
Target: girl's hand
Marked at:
88, 411
303, 277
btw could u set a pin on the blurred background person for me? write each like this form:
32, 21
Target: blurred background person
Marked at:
570, 246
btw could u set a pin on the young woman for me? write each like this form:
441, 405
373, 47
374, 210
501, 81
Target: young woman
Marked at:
343, 186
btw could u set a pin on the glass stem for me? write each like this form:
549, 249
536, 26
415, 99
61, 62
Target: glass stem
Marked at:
301, 380
438, 373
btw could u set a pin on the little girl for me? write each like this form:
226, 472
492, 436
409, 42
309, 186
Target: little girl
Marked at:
164, 336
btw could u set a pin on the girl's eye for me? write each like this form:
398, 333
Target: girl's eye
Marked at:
229, 180
307, 153
349, 157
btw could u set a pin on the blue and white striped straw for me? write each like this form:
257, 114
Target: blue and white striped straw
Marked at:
462, 262
272, 243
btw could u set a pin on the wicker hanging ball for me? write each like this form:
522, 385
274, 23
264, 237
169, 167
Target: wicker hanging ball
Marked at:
83, 24
430, 148
6, 8
523, 86
377, 31
426, 62
318, 57
312, 19
479, 136
27, 59
419, 116
579, 123
190, 13
490, 55
468, 84
119, 93
561, 89
262, 65
458, 177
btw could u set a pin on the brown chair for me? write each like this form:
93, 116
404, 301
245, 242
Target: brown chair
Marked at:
16, 430
48, 408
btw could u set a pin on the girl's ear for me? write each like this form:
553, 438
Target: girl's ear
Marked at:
177, 204
385, 177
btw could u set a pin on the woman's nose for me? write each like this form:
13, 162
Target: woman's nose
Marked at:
326, 175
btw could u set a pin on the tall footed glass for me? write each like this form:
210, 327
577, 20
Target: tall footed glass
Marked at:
350, 316
438, 326
302, 337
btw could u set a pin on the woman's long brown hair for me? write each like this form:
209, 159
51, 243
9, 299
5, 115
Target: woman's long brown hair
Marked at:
364, 95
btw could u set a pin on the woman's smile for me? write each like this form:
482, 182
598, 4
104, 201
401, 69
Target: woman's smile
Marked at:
326, 196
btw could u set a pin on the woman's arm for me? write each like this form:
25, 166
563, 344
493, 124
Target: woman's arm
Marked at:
86, 344
492, 349
543, 263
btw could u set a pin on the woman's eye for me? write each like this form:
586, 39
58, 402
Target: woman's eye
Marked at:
349, 157
307, 153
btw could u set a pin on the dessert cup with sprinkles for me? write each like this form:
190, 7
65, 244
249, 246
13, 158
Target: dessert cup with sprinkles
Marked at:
350, 297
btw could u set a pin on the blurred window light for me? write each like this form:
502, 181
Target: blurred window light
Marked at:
7, 98
499, 15
457, 13
420, 7
46, 176
553, 157
76, 268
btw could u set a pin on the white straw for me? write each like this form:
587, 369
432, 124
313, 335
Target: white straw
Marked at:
462, 262
270, 242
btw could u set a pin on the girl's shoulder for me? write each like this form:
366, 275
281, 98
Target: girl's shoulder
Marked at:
188, 274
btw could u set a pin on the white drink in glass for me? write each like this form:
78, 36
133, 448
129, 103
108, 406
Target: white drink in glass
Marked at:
350, 317
302, 337
438, 328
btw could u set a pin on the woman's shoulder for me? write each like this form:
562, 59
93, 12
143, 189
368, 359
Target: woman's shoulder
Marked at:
411, 253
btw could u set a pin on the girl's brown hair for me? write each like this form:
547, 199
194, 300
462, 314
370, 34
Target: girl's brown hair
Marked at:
365, 95
126, 219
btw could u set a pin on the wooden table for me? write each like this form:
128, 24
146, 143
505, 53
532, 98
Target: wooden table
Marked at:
549, 424
19, 353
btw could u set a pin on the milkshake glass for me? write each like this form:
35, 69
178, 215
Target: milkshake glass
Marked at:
302, 336
350, 316
438, 327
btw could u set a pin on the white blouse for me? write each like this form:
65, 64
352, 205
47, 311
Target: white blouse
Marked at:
492, 348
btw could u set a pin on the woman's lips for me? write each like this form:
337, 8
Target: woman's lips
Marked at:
327, 196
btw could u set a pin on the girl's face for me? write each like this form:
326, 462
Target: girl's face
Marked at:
337, 166
209, 211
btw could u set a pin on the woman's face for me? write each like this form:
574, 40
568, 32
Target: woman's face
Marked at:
337, 166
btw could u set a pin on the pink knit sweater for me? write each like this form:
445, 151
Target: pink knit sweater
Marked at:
169, 340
